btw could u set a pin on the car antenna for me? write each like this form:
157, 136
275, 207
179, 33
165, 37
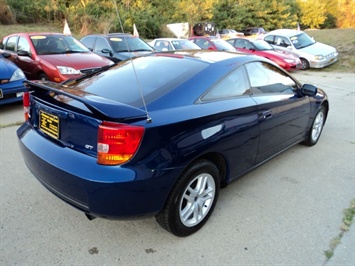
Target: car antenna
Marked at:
149, 119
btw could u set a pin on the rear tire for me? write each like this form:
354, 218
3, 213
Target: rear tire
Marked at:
316, 129
192, 199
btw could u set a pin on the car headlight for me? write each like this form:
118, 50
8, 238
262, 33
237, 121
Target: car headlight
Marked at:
68, 70
18, 74
318, 57
290, 61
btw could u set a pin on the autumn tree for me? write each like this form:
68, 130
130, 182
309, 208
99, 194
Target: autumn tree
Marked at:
313, 13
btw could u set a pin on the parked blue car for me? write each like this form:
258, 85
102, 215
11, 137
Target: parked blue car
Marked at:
11, 81
159, 135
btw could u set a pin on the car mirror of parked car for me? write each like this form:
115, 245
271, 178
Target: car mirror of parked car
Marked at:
107, 51
308, 89
23, 53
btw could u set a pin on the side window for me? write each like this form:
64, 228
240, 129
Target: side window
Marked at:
101, 44
282, 41
266, 78
89, 42
269, 39
3, 43
233, 85
23, 45
11, 43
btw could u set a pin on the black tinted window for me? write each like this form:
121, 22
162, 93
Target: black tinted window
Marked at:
156, 75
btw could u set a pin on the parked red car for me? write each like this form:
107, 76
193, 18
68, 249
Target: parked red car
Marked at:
261, 48
51, 56
212, 43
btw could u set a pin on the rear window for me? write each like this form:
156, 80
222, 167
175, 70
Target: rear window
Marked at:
156, 76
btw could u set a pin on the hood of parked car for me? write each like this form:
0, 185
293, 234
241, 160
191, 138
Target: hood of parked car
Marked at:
7, 68
318, 48
126, 55
77, 60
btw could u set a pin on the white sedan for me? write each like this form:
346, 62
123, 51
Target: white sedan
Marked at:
172, 44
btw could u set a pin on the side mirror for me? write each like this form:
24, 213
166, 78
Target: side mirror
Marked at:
23, 53
6, 55
309, 90
106, 51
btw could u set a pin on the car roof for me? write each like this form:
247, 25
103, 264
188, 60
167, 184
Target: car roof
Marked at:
284, 32
36, 33
111, 34
169, 39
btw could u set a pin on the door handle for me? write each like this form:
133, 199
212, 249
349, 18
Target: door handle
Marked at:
266, 114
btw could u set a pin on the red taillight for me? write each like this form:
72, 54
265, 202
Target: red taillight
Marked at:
26, 104
117, 143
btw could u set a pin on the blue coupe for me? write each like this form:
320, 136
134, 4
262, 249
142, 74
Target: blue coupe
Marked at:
11, 81
159, 135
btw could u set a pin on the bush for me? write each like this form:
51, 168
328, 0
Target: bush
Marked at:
7, 17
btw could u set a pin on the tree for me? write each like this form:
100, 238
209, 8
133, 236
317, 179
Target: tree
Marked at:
269, 14
313, 13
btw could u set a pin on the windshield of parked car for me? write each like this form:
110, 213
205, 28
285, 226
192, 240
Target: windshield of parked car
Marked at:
121, 44
184, 45
57, 44
222, 44
157, 76
262, 45
301, 40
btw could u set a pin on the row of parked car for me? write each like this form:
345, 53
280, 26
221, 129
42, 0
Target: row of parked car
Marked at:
58, 57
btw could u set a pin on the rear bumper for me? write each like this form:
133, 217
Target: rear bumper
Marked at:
114, 192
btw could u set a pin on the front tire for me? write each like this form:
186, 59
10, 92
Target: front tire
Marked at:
304, 64
192, 199
43, 77
317, 126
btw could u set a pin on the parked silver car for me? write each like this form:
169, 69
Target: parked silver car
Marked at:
312, 54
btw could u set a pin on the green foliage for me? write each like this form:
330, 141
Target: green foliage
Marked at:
269, 14
151, 16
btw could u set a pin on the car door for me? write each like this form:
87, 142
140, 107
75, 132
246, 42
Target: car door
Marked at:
283, 112
241, 124
24, 58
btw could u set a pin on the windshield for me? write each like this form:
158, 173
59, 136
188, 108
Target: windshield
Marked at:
222, 45
262, 45
57, 44
184, 45
301, 40
120, 43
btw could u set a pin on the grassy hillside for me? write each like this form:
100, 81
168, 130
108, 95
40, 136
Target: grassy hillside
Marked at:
342, 39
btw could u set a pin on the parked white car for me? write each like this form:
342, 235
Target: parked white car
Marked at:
312, 54
172, 44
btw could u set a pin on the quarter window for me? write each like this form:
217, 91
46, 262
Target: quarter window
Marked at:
233, 85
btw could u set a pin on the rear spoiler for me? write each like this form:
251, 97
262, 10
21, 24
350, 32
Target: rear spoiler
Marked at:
102, 108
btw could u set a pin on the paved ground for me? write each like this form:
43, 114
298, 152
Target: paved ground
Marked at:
286, 212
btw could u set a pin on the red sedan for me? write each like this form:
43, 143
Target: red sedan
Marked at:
262, 48
51, 56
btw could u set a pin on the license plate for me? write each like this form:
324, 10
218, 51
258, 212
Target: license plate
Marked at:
1, 95
49, 124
